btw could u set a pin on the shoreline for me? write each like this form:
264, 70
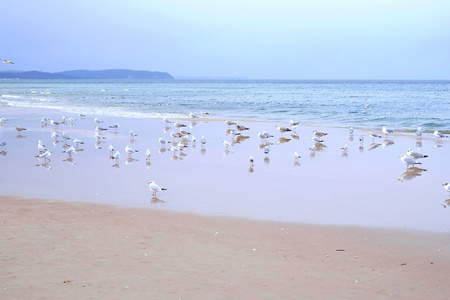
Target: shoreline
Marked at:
55, 110
72, 250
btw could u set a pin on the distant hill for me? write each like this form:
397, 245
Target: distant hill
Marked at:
86, 74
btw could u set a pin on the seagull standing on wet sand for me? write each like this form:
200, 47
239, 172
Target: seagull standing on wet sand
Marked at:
130, 150
409, 161
446, 187
154, 188
419, 132
283, 129
439, 135
415, 155
374, 135
296, 156
45, 155
345, 148
132, 135
387, 130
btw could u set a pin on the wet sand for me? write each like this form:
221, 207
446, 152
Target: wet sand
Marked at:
62, 250
366, 186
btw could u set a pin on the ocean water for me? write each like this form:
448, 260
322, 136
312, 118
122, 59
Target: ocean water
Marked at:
403, 105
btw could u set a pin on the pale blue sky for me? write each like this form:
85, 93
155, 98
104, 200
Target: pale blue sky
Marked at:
257, 39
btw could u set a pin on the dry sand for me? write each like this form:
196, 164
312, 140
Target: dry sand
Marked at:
60, 250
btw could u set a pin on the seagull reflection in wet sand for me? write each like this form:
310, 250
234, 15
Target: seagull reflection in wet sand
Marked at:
411, 173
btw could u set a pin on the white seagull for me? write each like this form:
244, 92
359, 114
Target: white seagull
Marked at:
345, 148
98, 121
316, 139
45, 155
132, 134
446, 187
415, 155
130, 150
387, 130
163, 141
419, 132
296, 156
116, 156
147, 154
374, 135
409, 161
439, 135
154, 188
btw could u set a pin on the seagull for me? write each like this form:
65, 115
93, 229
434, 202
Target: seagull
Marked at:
147, 154
98, 121
111, 149
132, 134
99, 137
116, 156
163, 141
387, 130
179, 125
415, 155
6, 61
316, 139
250, 160
446, 187
100, 129
229, 123
2, 145
204, 114
41, 147
55, 123
115, 126
130, 150
226, 143
267, 150
77, 142
319, 134
345, 148
439, 135
20, 129
167, 121
313, 149
154, 188
408, 161
374, 135
45, 155
193, 116
56, 135
203, 141
241, 128
294, 124
296, 156
264, 135
283, 129
350, 131
69, 150
419, 132
361, 140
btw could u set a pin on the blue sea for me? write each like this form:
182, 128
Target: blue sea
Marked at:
403, 105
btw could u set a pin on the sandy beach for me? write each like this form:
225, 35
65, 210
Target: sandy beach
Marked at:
354, 224
61, 250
